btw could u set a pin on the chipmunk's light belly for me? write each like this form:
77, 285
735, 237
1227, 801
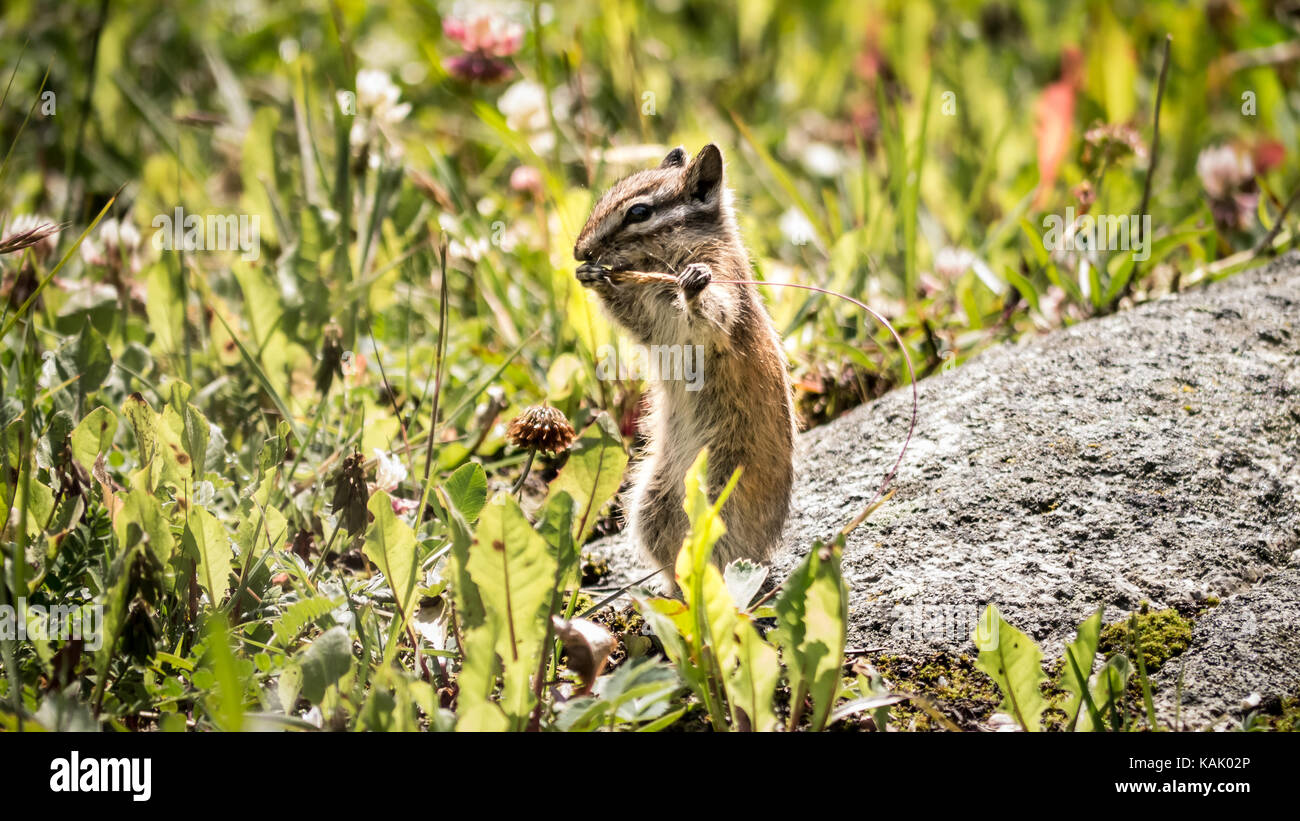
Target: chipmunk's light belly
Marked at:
683, 431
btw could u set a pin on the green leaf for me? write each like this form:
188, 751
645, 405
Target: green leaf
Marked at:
514, 569
1107, 690
144, 422
226, 703
555, 523
207, 540
1012, 660
260, 525
193, 428
1112, 67
754, 681
469, 603
94, 436
300, 614
288, 686
1082, 651
467, 489
140, 508
593, 473
324, 662
744, 579
87, 357
700, 634
811, 613
390, 544
639, 691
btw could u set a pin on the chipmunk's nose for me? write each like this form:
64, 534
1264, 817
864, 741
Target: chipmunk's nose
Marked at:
580, 255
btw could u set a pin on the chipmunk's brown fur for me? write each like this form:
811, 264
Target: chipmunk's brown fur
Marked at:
677, 218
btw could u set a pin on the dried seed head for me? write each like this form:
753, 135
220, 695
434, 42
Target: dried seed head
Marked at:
331, 357
540, 427
351, 495
27, 231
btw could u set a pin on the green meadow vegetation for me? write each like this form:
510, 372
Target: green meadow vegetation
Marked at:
288, 293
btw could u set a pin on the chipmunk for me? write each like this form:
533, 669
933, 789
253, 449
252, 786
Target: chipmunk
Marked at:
678, 218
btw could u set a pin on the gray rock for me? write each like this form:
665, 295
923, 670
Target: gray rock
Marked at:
1149, 456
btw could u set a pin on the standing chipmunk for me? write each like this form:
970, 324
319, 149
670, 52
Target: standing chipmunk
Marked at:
678, 218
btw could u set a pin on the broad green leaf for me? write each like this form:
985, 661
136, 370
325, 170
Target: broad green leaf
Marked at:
144, 423
555, 523
288, 686
94, 436
593, 473
707, 526
390, 544
476, 711
1107, 689
207, 540
39, 503
744, 579
514, 569
87, 358
469, 603
639, 691
162, 457
1112, 66
1082, 651
1012, 660
754, 681
324, 662
812, 612
467, 489
261, 525
164, 308
140, 508
700, 634
191, 427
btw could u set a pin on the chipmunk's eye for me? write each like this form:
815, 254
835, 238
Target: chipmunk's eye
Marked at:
637, 213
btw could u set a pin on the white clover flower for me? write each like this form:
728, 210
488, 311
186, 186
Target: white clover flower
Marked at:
796, 228
389, 471
823, 160
524, 106
1223, 169
91, 253
110, 234
129, 236
951, 263
376, 90
472, 249
377, 108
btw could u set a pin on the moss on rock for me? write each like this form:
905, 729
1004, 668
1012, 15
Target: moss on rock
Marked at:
1161, 635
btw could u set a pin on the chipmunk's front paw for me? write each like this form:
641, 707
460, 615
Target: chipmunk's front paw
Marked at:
591, 275
694, 278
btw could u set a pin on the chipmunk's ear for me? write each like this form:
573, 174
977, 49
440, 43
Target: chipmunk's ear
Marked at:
704, 174
675, 159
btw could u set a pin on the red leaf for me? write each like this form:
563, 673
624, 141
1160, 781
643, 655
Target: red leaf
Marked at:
1054, 121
